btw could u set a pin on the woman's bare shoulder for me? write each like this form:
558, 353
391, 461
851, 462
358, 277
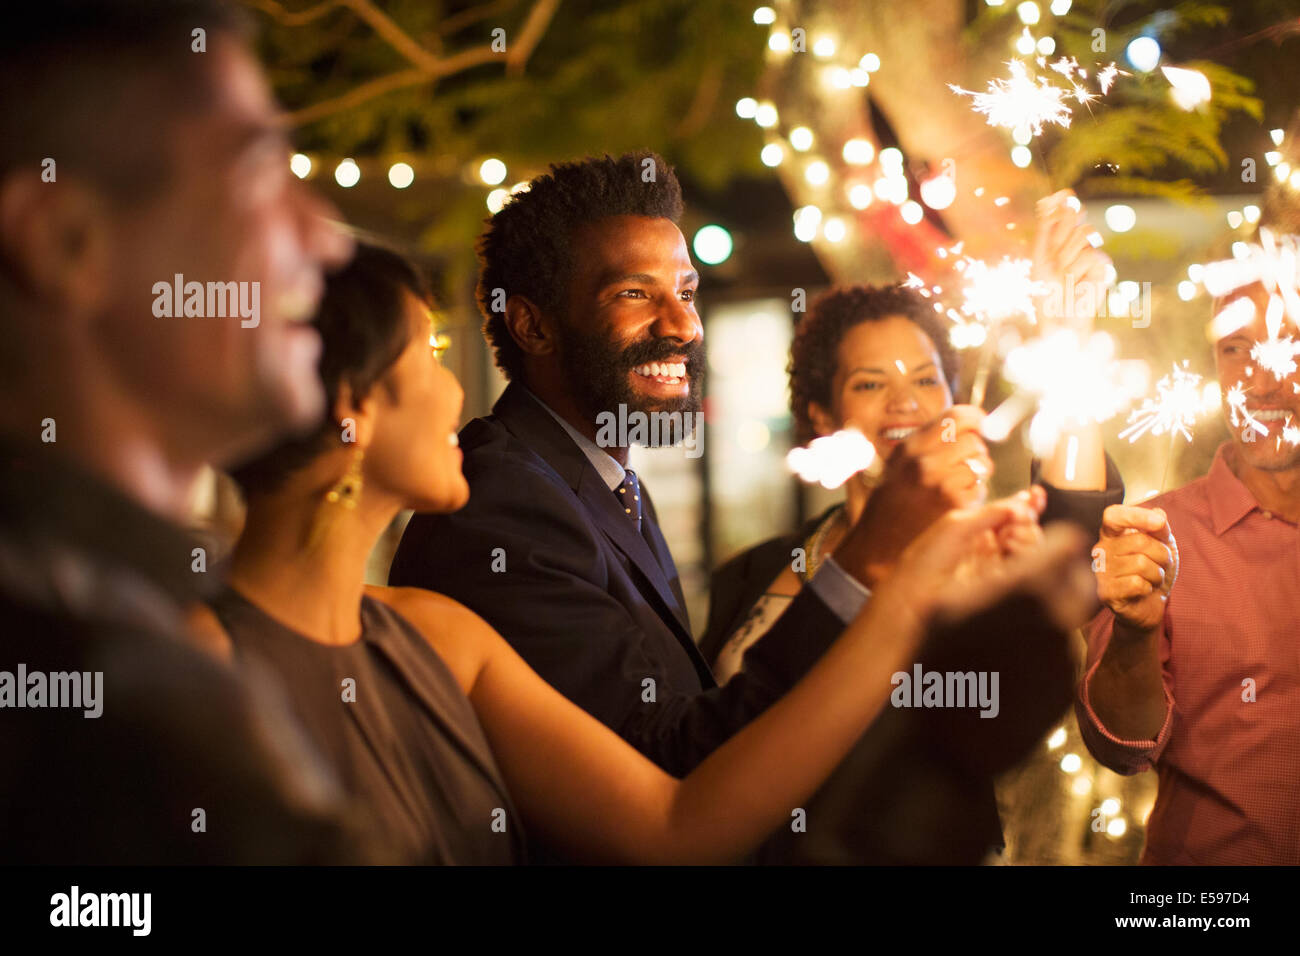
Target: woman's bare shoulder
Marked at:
459, 636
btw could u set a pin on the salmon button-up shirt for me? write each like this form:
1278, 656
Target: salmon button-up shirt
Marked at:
1228, 753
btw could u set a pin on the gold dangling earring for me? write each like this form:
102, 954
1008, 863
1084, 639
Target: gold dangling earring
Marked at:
346, 492
348, 489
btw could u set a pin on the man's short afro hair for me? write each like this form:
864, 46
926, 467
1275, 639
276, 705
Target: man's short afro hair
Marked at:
526, 247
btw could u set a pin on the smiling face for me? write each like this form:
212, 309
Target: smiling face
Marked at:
632, 335
231, 212
1273, 402
888, 383
413, 454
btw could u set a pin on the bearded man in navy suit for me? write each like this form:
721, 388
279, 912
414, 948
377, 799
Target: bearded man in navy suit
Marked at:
589, 296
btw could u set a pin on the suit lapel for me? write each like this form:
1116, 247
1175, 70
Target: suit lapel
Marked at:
533, 425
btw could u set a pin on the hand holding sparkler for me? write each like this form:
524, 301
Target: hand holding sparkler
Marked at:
1136, 563
936, 469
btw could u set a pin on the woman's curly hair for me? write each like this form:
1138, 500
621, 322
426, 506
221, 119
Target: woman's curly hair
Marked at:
814, 353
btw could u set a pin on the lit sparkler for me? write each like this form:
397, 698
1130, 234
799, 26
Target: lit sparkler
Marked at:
833, 459
1072, 381
1274, 264
1027, 104
1179, 402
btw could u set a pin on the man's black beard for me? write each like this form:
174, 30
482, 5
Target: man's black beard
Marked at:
598, 374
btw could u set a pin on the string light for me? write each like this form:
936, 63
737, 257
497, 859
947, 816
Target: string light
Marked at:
492, 171
401, 175
347, 173
858, 152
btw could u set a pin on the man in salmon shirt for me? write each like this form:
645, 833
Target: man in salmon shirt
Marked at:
1194, 663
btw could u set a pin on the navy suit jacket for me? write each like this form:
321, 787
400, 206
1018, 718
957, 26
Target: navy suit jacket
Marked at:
595, 607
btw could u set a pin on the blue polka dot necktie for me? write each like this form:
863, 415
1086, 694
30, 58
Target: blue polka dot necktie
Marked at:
629, 496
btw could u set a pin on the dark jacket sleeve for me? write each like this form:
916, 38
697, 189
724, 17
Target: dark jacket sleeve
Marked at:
1082, 508
552, 602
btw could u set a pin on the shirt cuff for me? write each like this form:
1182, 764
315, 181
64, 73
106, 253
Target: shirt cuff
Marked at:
842, 592
1130, 756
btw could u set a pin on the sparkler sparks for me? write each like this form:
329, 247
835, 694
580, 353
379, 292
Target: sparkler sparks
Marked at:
1237, 412
994, 293
1027, 104
833, 459
1274, 264
1075, 381
1020, 102
1179, 402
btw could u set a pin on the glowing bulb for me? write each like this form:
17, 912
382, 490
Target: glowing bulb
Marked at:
1187, 290
837, 77
870, 63
1021, 156
520, 187
765, 115
746, 107
911, 212
764, 16
1143, 53
1276, 135
1071, 763
492, 172
401, 175
1116, 827
1025, 45
1046, 46
1082, 785
891, 160
858, 152
300, 165
1251, 213
817, 173
1120, 218
1028, 12
1060, 7
712, 244
1057, 739
939, 192
347, 174
1272, 157
824, 47
772, 154
779, 42
1235, 219
1110, 806
834, 230
801, 138
860, 196
496, 199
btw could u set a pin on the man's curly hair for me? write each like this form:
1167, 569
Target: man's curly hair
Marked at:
527, 246
814, 353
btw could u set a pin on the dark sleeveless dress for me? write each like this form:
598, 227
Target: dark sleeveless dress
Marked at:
409, 746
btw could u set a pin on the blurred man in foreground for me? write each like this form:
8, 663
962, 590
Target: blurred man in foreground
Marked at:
144, 196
